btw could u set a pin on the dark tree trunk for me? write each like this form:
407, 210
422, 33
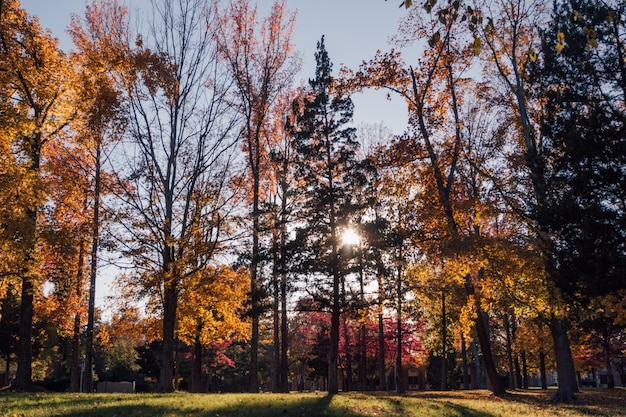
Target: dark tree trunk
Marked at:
482, 329
284, 360
166, 376
75, 368
93, 272
382, 377
444, 344
196, 364
275, 319
568, 385
610, 379
466, 379
509, 351
23, 377
524, 370
542, 370
400, 388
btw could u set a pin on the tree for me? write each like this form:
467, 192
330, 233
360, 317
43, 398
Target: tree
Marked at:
212, 305
179, 154
435, 91
36, 96
584, 127
103, 54
331, 176
258, 58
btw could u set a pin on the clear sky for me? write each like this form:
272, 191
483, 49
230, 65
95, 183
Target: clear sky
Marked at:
354, 30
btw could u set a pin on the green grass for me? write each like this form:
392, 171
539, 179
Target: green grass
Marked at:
477, 403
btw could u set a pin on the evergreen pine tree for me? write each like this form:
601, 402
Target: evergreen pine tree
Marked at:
330, 175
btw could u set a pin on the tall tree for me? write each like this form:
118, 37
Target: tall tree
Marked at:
435, 90
103, 55
511, 41
35, 98
259, 58
331, 174
178, 157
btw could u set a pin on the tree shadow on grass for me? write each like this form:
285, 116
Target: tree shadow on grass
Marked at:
118, 406
428, 405
589, 401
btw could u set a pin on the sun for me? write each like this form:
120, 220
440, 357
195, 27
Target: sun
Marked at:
350, 237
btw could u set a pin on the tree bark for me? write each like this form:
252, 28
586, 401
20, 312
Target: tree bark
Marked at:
466, 377
93, 273
482, 320
444, 342
166, 376
75, 368
542, 370
401, 389
196, 364
567, 380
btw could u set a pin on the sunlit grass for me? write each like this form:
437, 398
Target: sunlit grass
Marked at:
477, 403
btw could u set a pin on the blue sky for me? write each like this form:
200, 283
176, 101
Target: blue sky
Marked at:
354, 31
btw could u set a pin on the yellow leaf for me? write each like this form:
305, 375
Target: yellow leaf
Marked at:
559, 47
533, 55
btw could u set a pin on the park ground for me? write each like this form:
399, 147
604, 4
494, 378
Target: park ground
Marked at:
476, 403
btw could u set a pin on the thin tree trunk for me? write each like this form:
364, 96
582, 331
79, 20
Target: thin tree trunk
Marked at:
466, 379
93, 272
524, 370
509, 351
284, 360
75, 368
444, 343
382, 377
362, 330
400, 388
542, 370
196, 365
347, 341
275, 316
255, 287
606, 346
23, 377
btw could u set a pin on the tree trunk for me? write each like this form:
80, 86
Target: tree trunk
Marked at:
362, 330
542, 370
568, 385
75, 368
284, 345
400, 388
524, 370
348, 386
606, 346
444, 341
255, 287
93, 272
382, 377
196, 364
166, 376
333, 381
509, 351
275, 318
482, 329
23, 377
466, 379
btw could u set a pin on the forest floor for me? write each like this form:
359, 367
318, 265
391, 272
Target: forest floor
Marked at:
475, 403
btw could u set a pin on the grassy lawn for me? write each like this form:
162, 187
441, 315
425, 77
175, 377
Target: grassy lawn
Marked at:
429, 404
